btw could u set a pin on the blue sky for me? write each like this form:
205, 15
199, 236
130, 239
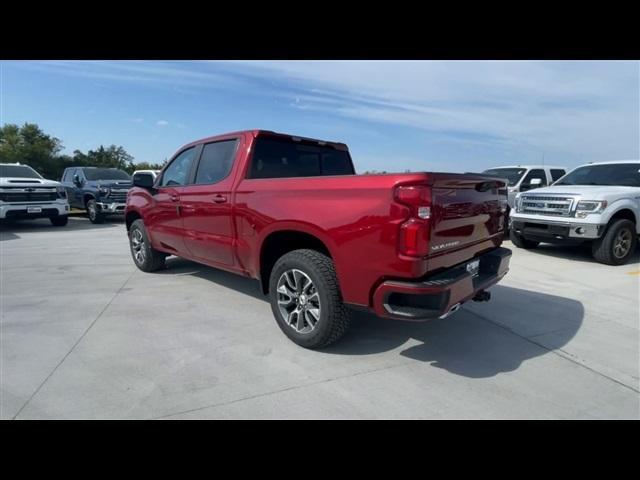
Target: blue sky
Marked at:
394, 115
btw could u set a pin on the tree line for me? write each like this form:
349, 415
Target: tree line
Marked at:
28, 144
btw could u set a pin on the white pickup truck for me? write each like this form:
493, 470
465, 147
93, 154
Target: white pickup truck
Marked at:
597, 203
25, 194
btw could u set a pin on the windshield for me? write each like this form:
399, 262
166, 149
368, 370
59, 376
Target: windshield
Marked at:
18, 171
621, 174
513, 175
106, 174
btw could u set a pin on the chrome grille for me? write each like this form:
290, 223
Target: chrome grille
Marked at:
546, 205
28, 194
118, 195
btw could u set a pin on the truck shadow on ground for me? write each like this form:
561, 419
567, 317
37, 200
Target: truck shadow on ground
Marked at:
479, 341
10, 229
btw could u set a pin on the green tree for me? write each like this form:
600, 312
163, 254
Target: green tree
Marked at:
149, 166
110, 157
30, 145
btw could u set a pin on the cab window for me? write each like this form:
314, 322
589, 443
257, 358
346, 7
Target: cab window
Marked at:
534, 173
177, 173
216, 161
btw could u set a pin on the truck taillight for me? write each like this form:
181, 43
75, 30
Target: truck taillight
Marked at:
414, 233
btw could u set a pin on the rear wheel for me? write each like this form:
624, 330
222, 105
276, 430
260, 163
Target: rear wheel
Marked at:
521, 242
617, 245
59, 220
306, 299
144, 255
93, 211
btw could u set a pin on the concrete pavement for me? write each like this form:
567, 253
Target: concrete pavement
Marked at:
84, 334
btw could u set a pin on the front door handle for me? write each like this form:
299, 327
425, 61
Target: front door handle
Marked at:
219, 198
174, 198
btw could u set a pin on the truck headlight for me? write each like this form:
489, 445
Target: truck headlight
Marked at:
104, 191
587, 207
518, 203
62, 193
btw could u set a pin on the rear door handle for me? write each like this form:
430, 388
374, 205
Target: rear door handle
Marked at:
219, 198
174, 198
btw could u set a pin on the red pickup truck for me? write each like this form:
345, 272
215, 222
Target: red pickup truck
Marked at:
292, 213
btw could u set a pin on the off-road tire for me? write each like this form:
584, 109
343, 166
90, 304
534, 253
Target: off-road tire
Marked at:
334, 316
603, 248
93, 212
59, 220
152, 259
521, 242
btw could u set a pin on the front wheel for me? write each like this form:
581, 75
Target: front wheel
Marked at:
93, 211
521, 242
617, 245
306, 299
59, 220
144, 255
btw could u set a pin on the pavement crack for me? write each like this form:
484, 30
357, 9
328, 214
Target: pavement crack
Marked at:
74, 345
274, 392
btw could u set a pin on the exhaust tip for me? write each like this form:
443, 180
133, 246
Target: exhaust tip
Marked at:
453, 309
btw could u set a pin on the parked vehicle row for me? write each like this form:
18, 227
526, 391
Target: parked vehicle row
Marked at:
292, 213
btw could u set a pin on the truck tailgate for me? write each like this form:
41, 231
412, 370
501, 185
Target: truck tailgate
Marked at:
466, 209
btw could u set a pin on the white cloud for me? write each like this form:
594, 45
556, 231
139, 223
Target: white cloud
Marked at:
584, 109
162, 123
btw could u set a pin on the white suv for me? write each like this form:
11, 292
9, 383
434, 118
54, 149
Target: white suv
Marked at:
597, 203
25, 194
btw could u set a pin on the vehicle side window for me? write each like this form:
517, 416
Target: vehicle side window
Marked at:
282, 158
177, 173
535, 173
216, 161
68, 175
556, 173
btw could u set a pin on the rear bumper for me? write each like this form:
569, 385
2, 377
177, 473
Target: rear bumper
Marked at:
438, 294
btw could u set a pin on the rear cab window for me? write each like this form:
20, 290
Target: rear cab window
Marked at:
285, 158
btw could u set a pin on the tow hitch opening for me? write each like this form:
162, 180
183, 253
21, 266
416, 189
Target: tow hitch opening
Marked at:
482, 296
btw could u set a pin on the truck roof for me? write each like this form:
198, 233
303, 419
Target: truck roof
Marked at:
260, 132
528, 166
610, 162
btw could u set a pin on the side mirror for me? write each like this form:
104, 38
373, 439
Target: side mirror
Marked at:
76, 180
535, 182
143, 180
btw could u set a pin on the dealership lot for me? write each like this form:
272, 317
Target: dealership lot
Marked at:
84, 334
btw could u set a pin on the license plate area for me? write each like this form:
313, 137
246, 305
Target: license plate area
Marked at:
34, 209
473, 267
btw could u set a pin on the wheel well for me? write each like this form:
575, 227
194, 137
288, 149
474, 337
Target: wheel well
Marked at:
279, 243
131, 217
624, 213
88, 197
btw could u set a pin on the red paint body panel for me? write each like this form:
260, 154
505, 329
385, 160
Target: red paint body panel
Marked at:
355, 216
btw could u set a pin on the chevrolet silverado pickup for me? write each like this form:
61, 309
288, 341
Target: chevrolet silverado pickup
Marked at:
99, 191
598, 203
292, 213
25, 194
